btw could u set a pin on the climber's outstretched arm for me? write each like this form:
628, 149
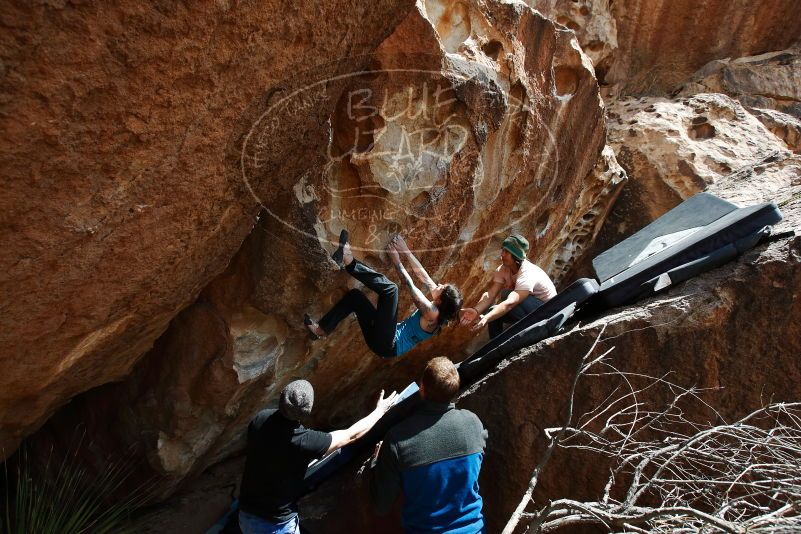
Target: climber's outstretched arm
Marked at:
417, 267
426, 307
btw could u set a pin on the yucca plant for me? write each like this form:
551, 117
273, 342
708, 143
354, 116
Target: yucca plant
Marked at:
68, 499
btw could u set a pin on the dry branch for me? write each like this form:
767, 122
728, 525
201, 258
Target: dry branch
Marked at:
671, 474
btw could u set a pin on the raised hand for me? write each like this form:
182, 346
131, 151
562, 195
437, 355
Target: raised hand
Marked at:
385, 403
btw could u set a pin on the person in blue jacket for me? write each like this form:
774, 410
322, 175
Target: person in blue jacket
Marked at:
383, 335
433, 458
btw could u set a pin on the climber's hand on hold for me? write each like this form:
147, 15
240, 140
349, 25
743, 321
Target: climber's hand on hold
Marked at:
400, 244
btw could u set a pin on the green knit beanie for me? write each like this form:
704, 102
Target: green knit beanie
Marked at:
517, 245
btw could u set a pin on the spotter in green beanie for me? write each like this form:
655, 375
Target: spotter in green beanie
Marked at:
517, 245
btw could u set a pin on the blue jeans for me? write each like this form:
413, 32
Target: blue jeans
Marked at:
253, 524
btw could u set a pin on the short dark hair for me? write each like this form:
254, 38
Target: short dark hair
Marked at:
440, 380
450, 302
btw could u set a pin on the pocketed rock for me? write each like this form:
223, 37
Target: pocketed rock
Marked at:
594, 23
785, 127
469, 122
673, 149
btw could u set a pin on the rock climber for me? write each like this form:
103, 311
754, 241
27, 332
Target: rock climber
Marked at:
384, 336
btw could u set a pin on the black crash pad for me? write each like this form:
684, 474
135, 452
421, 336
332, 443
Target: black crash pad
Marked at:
701, 233
325, 467
576, 293
478, 365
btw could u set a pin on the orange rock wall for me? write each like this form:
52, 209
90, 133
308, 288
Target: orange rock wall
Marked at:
650, 46
120, 135
469, 122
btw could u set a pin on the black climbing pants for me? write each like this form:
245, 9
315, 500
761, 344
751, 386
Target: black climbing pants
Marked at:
529, 304
378, 322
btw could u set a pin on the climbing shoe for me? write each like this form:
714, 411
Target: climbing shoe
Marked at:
339, 254
307, 320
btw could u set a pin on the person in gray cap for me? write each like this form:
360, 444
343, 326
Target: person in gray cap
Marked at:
279, 449
523, 287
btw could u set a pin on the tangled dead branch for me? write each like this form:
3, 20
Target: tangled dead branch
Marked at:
671, 474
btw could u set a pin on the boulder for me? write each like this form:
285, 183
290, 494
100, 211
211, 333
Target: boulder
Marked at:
646, 47
771, 80
121, 137
785, 127
469, 122
672, 149
595, 24
767, 85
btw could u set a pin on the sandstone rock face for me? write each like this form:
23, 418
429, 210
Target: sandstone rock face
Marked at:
767, 85
785, 127
685, 146
771, 80
733, 330
470, 121
120, 136
647, 47
672, 149
594, 23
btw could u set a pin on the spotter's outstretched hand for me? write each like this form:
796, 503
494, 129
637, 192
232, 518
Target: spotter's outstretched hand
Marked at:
467, 316
385, 403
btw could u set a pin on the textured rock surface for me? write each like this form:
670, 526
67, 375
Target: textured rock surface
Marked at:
123, 196
649, 46
767, 85
771, 80
594, 23
672, 149
471, 121
785, 127
734, 329
140, 142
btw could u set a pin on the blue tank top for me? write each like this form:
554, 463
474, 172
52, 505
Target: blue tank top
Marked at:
409, 333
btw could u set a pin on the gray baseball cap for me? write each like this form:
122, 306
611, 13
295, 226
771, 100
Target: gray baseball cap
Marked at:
296, 400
